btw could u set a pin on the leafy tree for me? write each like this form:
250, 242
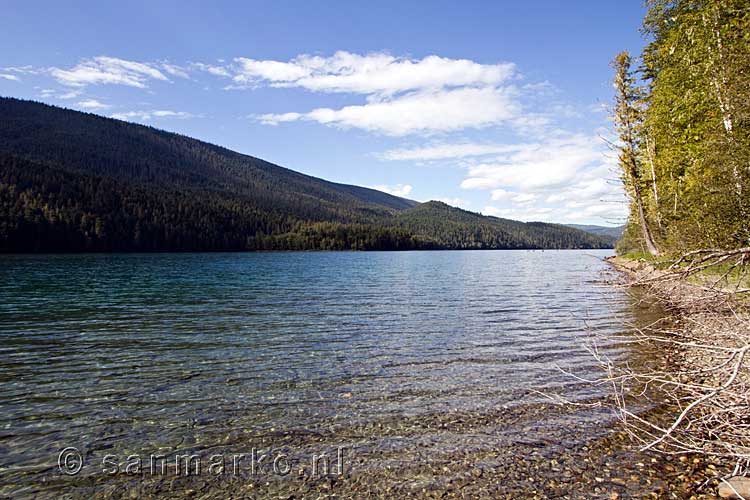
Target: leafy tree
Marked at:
694, 142
629, 121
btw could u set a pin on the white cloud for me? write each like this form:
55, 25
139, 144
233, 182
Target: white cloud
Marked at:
448, 151
526, 214
212, 69
424, 111
546, 165
148, 115
93, 104
565, 110
401, 190
274, 120
604, 214
47, 93
612, 212
175, 70
479, 183
532, 124
24, 70
565, 178
403, 95
132, 115
502, 195
172, 114
6, 76
375, 73
69, 95
544, 88
523, 198
595, 197
252, 71
519, 198
108, 70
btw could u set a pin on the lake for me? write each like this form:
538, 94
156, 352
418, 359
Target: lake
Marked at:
161, 353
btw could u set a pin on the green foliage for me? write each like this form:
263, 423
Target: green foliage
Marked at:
451, 227
72, 182
628, 117
695, 137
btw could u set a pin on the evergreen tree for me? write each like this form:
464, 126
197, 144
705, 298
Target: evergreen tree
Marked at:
75, 182
629, 121
694, 142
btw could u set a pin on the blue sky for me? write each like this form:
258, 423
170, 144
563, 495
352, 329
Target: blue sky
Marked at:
496, 107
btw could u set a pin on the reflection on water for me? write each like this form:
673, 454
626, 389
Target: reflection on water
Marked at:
121, 353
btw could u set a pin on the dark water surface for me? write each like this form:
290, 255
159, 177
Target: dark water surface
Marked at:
143, 353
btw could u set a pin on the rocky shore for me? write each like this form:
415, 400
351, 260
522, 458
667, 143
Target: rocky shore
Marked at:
711, 327
586, 457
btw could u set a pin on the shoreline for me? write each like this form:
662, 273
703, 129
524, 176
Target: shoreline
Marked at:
699, 316
585, 456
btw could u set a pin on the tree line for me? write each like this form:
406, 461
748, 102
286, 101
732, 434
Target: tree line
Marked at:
76, 182
682, 112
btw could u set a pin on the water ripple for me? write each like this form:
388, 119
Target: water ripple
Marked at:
121, 351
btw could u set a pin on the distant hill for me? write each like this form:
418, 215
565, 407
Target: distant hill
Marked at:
73, 182
613, 233
458, 228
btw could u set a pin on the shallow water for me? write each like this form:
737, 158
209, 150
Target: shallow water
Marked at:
139, 353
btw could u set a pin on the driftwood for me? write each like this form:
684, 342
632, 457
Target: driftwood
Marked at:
709, 389
699, 261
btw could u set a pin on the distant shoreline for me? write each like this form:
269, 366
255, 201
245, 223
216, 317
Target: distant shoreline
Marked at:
170, 252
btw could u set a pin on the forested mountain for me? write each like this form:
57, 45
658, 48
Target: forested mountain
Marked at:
613, 233
456, 228
683, 118
72, 181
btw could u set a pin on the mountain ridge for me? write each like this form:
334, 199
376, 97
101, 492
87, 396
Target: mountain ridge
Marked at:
613, 233
73, 181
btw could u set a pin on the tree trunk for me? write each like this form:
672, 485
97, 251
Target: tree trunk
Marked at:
636, 182
629, 118
650, 246
650, 151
